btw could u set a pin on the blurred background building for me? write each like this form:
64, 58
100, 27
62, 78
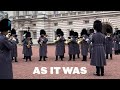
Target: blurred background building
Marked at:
34, 21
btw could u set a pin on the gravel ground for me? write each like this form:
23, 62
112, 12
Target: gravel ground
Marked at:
24, 70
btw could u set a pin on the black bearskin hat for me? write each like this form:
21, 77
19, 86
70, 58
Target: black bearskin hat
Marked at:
76, 34
58, 31
42, 31
108, 30
28, 34
62, 33
71, 33
84, 32
5, 25
13, 31
97, 25
91, 31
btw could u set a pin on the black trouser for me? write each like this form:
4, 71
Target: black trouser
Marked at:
78, 56
24, 57
71, 57
90, 55
107, 56
42, 57
116, 52
119, 51
100, 70
61, 57
28, 57
84, 58
14, 58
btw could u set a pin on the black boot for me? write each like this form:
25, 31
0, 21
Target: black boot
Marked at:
61, 57
70, 57
78, 55
56, 58
117, 51
12, 58
110, 56
106, 56
40, 58
97, 71
30, 58
44, 58
83, 58
73, 57
90, 55
102, 71
16, 59
26, 58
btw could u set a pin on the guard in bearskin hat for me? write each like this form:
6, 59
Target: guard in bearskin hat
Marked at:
60, 45
98, 53
84, 44
90, 41
6, 71
109, 43
42, 41
23, 51
28, 46
14, 41
71, 45
77, 45
116, 40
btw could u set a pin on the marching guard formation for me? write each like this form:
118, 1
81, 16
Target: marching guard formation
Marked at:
94, 43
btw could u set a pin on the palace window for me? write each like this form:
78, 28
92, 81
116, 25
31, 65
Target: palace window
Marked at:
55, 24
70, 23
34, 24
86, 21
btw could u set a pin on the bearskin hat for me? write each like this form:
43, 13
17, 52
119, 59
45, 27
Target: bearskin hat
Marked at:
76, 34
97, 25
91, 30
62, 33
13, 31
108, 30
5, 25
42, 31
71, 33
58, 31
84, 32
28, 34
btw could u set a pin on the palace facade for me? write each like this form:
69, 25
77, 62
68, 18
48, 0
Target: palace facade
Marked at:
34, 21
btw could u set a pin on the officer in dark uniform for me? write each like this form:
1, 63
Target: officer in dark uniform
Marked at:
60, 44
116, 42
109, 43
90, 41
72, 45
119, 41
28, 46
14, 41
23, 51
98, 53
43, 45
77, 45
6, 71
84, 44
